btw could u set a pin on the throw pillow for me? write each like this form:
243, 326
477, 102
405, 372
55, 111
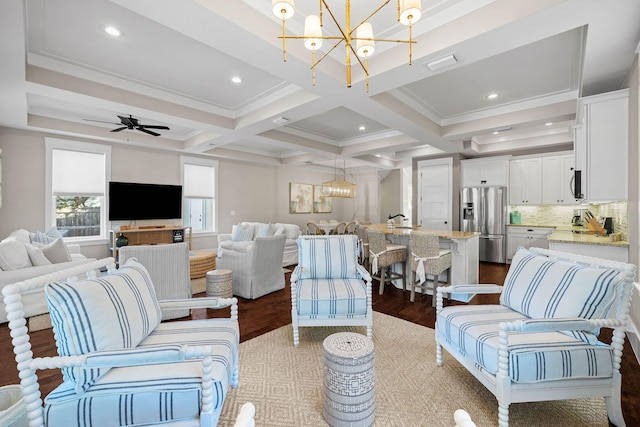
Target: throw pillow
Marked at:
242, 233
265, 230
542, 287
36, 256
56, 251
52, 234
328, 257
112, 312
13, 255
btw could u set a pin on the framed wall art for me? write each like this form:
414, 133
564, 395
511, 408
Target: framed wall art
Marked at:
322, 203
300, 198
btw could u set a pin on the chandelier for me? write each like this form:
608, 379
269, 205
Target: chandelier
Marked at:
409, 12
337, 188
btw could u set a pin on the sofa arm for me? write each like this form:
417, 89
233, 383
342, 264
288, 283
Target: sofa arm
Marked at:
470, 289
559, 324
223, 237
192, 303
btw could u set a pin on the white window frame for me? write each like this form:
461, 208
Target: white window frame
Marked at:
210, 163
50, 208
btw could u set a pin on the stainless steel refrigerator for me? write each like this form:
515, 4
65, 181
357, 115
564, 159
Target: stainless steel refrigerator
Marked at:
484, 209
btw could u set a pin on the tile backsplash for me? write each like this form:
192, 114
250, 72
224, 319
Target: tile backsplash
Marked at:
561, 216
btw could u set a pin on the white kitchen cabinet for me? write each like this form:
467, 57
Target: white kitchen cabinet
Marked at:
525, 181
527, 237
485, 172
557, 180
601, 146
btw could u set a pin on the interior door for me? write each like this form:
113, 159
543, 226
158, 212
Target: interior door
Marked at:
435, 198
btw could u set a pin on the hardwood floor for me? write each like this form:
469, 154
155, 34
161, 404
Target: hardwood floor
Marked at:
274, 310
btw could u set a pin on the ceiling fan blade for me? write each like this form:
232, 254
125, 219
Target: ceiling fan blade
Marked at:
154, 127
118, 129
141, 129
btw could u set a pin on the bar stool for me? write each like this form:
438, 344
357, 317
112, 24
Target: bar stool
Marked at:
427, 259
363, 241
383, 255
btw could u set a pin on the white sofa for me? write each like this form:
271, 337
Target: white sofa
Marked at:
22, 257
242, 236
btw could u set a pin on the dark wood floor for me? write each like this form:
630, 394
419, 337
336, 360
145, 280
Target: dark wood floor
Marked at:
274, 310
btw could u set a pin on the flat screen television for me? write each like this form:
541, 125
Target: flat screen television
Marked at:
133, 201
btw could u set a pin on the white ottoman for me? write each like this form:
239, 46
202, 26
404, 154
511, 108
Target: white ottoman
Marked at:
349, 380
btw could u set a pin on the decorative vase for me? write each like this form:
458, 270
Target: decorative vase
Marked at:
121, 240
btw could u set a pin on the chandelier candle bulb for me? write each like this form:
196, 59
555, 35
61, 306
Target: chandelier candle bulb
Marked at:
312, 32
411, 12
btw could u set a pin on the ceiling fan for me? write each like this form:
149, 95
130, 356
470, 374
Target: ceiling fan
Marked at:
132, 123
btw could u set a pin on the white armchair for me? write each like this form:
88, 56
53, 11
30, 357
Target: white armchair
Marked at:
258, 271
168, 266
541, 342
328, 286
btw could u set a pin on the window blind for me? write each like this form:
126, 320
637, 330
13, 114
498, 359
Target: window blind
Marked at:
77, 173
199, 182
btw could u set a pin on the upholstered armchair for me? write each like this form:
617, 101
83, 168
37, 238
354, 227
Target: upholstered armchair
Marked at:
168, 266
328, 286
541, 342
257, 271
121, 365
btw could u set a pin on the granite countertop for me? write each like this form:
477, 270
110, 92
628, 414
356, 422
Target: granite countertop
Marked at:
568, 236
532, 226
406, 230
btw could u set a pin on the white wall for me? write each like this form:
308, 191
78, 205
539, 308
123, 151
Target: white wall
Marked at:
254, 192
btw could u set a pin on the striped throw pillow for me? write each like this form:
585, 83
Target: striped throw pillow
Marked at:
242, 233
542, 287
328, 257
112, 312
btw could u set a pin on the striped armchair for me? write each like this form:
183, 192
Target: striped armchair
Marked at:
121, 365
328, 286
541, 342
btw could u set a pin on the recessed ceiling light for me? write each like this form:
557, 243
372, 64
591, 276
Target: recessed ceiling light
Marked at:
548, 124
362, 127
492, 96
236, 79
112, 31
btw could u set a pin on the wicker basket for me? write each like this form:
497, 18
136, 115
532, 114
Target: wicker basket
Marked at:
220, 283
200, 262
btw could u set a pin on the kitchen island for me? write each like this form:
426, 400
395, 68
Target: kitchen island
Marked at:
464, 246
589, 245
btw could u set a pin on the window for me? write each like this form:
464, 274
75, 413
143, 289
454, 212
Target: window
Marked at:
76, 175
199, 189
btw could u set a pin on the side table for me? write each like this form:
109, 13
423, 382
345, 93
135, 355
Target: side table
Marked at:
200, 262
220, 283
349, 380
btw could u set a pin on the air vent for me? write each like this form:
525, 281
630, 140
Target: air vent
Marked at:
280, 120
443, 62
497, 131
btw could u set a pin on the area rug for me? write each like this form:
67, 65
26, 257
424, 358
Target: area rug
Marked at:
285, 383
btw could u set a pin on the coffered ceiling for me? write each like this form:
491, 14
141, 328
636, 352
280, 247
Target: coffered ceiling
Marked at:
173, 64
